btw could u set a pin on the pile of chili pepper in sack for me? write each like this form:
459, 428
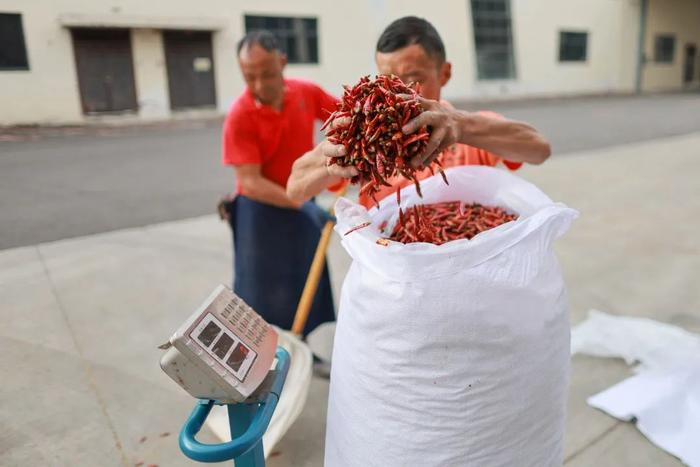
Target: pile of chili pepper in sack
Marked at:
374, 142
443, 222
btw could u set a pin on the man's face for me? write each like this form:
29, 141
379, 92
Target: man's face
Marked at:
262, 72
413, 64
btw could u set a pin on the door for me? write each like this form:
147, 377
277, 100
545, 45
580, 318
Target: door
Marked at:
689, 63
105, 70
190, 64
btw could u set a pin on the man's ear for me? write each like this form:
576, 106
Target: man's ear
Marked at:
283, 60
445, 73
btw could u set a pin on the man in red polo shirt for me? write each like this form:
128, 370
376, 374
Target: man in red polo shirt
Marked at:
412, 49
267, 128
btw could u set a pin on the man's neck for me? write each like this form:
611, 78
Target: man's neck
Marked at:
277, 104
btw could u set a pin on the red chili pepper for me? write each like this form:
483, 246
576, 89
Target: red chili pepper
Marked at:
377, 117
443, 222
423, 136
357, 227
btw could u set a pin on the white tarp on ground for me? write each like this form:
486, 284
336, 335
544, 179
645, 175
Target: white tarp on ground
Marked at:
456, 354
664, 396
291, 403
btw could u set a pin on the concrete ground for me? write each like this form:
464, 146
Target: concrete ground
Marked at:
82, 317
61, 183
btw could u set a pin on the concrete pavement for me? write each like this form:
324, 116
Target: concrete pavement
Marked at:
81, 318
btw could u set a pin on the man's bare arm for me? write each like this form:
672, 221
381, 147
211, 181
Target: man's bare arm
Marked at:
509, 139
258, 188
311, 173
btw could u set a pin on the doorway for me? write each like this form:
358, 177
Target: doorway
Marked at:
190, 64
689, 63
105, 70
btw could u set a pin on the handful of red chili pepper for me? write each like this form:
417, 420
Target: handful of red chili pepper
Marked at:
443, 222
375, 144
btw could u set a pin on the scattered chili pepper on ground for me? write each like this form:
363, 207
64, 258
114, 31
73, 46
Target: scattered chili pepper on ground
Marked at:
164, 434
443, 222
375, 144
143, 440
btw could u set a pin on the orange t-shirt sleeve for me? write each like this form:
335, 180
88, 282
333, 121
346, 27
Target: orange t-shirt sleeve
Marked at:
512, 165
239, 141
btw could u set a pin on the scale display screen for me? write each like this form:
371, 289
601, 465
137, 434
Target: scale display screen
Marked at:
209, 333
219, 342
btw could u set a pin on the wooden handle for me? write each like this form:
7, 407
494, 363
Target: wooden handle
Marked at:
307, 296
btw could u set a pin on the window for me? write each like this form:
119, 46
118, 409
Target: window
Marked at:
298, 36
493, 39
664, 47
572, 46
13, 54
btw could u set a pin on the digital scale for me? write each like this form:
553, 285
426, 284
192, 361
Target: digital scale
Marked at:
225, 353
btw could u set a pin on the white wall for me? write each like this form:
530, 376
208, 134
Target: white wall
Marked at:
612, 27
682, 19
348, 31
150, 74
48, 92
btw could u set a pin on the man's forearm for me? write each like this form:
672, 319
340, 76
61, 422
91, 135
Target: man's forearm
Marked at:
309, 176
266, 191
515, 141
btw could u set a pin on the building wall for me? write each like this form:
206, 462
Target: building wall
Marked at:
48, 93
150, 74
678, 17
612, 27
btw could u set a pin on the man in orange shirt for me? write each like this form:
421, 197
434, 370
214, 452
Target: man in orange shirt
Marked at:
411, 48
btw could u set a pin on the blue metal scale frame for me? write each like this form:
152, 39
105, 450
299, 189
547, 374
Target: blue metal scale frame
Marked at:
248, 422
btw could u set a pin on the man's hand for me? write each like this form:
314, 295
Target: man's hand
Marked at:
445, 126
312, 173
331, 151
225, 205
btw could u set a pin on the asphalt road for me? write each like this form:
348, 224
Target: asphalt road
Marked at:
62, 184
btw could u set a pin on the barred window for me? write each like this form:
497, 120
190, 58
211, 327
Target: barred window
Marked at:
573, 46
493, 39
13, 53
664, 48
298, 36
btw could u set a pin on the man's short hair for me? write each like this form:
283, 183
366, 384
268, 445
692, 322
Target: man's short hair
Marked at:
261, 37
411, 30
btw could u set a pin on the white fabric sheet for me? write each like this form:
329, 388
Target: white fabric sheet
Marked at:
664, 396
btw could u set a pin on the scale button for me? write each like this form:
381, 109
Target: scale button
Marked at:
208, 360
231, 380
